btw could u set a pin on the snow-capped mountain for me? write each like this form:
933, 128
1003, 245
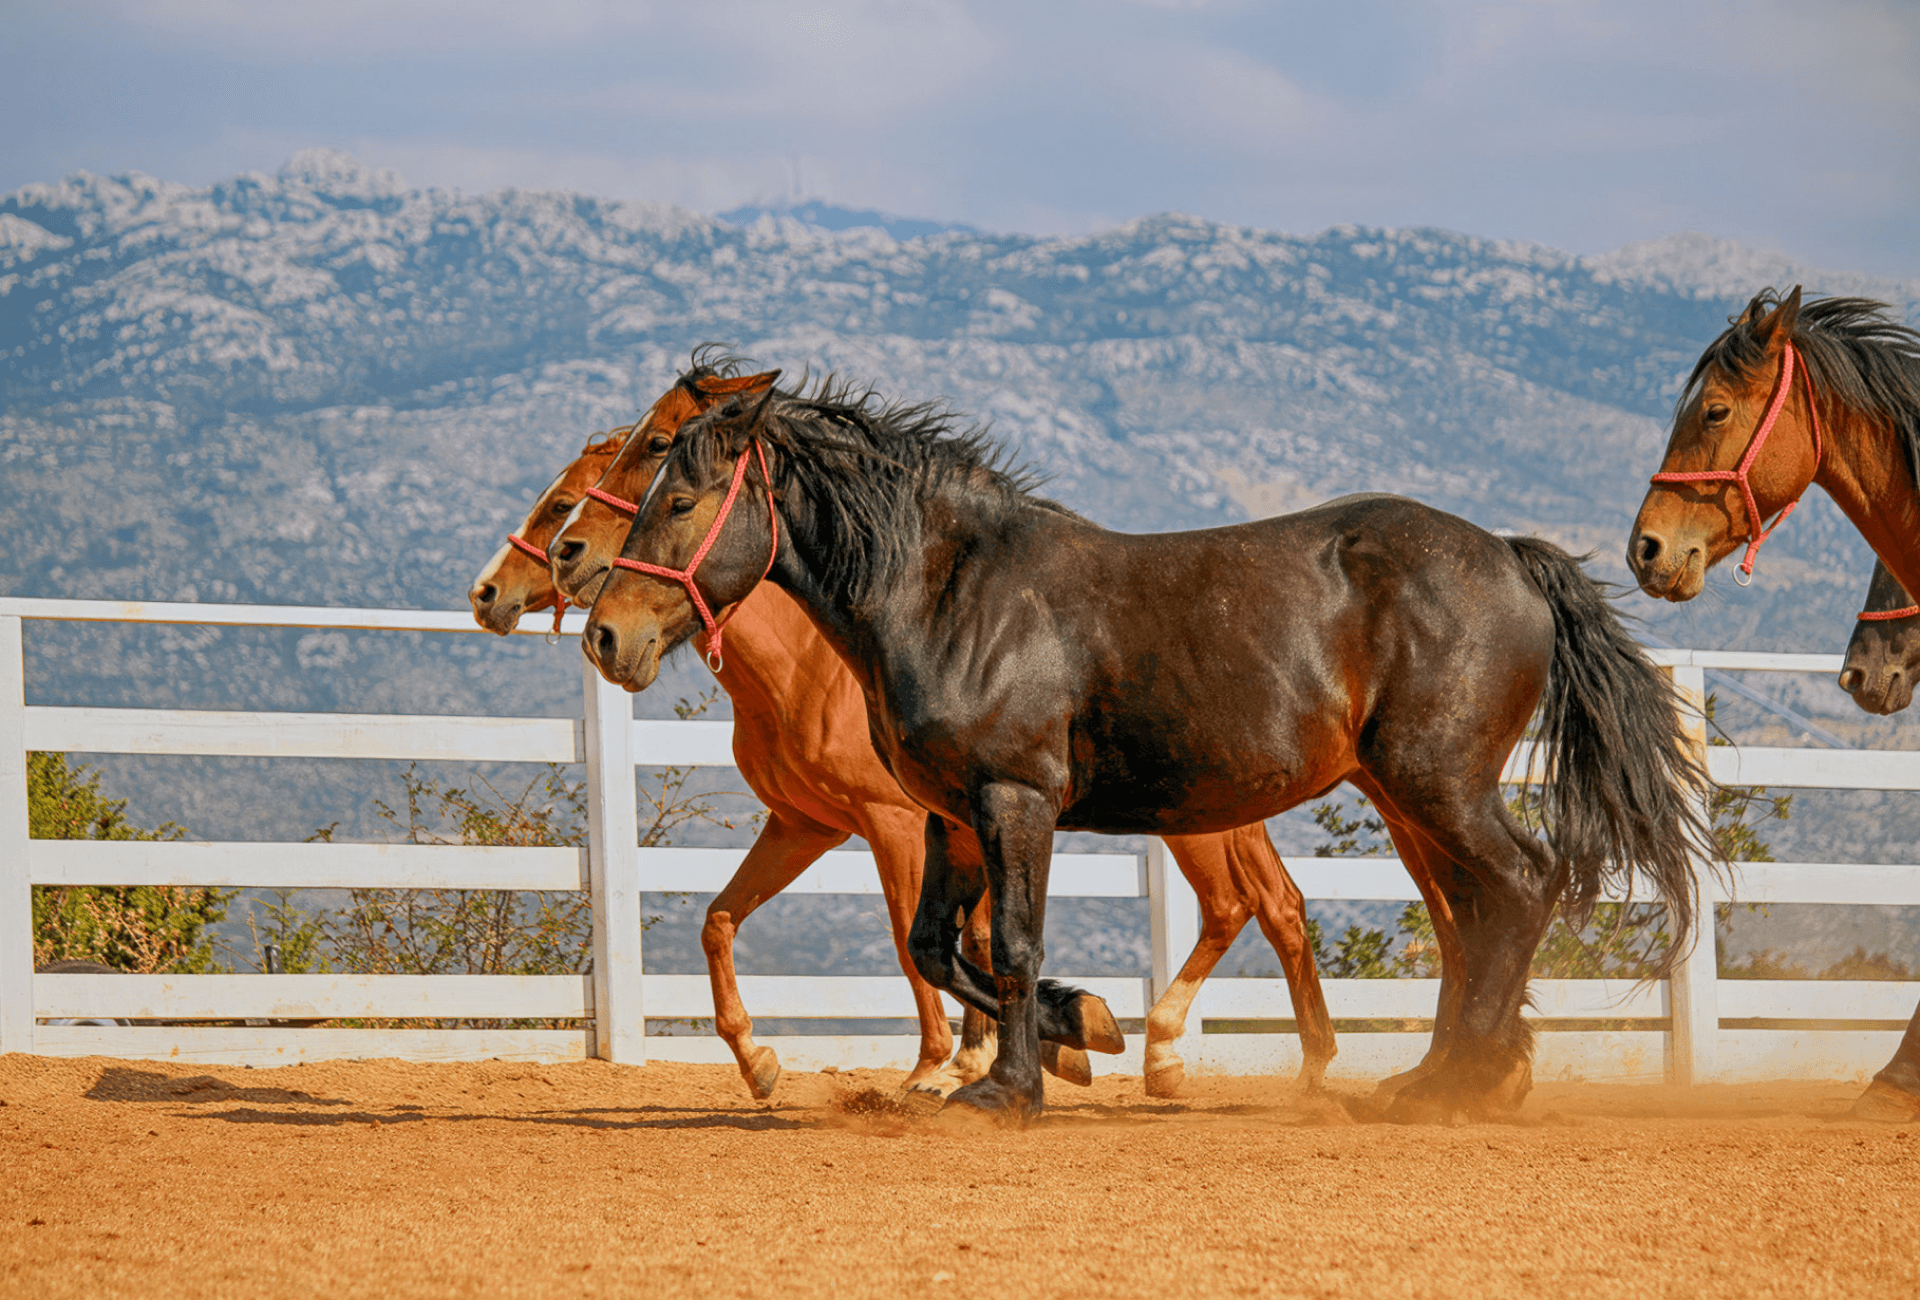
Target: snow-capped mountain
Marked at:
323, 386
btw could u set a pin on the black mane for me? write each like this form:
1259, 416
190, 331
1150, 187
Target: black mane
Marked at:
1855, 350
865, 462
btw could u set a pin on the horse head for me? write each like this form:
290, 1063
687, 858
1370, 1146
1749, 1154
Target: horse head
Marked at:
703, 536
515, 581
582, 555
1744, 447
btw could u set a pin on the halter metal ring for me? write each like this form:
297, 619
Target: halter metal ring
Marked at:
1743, 577
715, 663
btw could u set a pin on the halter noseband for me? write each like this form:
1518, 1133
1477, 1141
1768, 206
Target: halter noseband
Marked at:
539, 557
685, 576
1740, 475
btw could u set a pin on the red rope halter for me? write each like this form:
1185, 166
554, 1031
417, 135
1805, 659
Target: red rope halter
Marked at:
1882, 615
685, 576
539, 556
1740, 475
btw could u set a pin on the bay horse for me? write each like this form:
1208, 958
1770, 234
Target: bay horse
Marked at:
1792, 394
800, 741
1025, 669
1237, 875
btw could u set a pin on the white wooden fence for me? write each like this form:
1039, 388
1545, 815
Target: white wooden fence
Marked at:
1678, 1032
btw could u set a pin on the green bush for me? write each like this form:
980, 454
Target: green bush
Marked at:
147, 929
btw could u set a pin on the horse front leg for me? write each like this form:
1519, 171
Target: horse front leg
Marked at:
1015, 827
787, 845
952, 882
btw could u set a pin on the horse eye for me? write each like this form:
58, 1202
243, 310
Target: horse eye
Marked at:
682, 505
1717, 412
562, 507
660, 446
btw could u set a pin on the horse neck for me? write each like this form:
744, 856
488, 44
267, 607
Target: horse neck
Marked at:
865, 633
773, 655
1867, 474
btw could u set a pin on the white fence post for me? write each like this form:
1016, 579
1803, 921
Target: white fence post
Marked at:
16, 893
1174, 910
1693, 992
613, 868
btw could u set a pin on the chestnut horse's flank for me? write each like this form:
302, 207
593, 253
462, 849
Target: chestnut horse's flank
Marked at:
1844, 376
1024, 669
816, 738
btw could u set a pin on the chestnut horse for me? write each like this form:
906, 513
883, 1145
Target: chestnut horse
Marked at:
1794, 394
1237, 875
800, 740
1025, 669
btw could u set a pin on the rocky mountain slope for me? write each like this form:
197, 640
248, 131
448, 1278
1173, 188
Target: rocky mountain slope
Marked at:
326, 387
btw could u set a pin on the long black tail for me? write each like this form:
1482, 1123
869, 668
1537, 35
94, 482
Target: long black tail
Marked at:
1624, 792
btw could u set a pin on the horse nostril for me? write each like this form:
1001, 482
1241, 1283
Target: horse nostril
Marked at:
1852, 679
1646, 549
568, 552
605, 642
485, 594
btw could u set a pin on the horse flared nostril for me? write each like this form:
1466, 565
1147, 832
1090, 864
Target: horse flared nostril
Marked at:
606, 644
567, 552
1852, 679
1646, 550
483, 595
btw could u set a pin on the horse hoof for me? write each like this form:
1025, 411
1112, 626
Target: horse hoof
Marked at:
1166, 1080
1886, 1104
1099, 1031
938, 1082
990, 1099
1067, 1064
762, 1072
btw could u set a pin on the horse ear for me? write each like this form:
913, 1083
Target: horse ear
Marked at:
1756, 309
1779, 323
713, 386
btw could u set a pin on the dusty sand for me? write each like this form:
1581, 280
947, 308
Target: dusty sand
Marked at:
132, 1178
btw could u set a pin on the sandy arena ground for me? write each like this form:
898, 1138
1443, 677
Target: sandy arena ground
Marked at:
133, 1178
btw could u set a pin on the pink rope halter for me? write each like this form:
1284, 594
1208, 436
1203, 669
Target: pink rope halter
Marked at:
685, 576
1740, 475
1882, 615
539, 557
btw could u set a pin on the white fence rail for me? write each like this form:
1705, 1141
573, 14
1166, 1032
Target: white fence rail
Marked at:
1672, 1029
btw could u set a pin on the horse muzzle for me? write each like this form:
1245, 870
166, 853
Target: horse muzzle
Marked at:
1665, 569
626, 659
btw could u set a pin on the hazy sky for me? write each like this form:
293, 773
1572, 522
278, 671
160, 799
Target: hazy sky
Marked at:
1583, 124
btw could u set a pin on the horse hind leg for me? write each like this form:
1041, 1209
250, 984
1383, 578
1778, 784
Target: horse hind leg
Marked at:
1281, 910
1223, 914
1500, 886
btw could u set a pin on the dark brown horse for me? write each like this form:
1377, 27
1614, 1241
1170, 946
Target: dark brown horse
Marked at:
1025, 669
800, 742
811, 735
1884, 652
1791, 395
